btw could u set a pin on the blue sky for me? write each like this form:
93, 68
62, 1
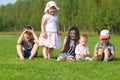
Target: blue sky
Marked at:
4, 2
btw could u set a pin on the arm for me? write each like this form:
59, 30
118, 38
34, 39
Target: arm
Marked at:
87, 52
58, 30
20, 38
34, 36
95, 53
43, 27
77, 52
35, 47
82, 52
112, 53
19, 46
64, 42
112, 56
96, 49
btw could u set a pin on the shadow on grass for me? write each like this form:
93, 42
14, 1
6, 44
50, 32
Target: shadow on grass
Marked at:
40, 56
116, 59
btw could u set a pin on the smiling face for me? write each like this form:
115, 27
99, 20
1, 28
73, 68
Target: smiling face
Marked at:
52, 10
72, 34
105, 41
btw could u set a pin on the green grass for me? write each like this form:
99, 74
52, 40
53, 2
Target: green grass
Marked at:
12, 68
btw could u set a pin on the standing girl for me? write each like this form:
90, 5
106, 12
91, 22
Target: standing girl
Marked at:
69, 44
49, 37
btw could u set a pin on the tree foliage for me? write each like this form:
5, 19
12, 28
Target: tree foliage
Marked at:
89, 15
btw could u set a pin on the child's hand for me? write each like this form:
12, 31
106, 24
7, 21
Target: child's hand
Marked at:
59, 32
44, 35
31, 31
82, 54
25, 31
86, 55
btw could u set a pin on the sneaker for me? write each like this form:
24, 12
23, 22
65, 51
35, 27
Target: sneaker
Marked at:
88, 58
98, 58
105, 60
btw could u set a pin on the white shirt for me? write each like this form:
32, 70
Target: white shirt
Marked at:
71, 43
51, 24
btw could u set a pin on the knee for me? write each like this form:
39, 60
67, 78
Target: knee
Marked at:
100, 51
106, 50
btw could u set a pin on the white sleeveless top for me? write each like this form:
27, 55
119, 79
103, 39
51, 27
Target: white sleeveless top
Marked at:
70, 51
51, 24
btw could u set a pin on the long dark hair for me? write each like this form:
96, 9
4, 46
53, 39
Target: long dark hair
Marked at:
77, 34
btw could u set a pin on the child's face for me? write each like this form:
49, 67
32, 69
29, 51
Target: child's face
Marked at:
52, 10
83, 41
28, 36
72, 34
105, 41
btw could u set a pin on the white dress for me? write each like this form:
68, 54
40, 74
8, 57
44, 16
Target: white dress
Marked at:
53, 39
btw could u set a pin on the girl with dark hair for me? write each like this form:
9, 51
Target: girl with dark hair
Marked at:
69, 44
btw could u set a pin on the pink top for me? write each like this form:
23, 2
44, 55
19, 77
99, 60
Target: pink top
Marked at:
81, 49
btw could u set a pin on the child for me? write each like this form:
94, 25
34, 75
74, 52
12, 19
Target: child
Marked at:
82, 50
69, 44
49, 37
27, 44
105, 48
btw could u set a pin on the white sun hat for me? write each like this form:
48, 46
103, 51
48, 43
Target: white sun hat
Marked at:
104, 34
50, 4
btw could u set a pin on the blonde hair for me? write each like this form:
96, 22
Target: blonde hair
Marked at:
84, 36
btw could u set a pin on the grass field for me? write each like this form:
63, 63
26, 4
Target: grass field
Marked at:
12, 68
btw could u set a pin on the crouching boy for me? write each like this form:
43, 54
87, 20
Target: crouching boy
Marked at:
27, 44
104, 50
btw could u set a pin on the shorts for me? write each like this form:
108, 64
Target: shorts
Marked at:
26, 53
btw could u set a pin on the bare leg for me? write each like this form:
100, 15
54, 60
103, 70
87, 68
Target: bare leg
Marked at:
34, 51
70, 59
61, 59
106, 54
20, 52
100, 52
51, 50
45, 52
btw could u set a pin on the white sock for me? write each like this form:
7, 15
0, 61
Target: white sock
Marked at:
105, 59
